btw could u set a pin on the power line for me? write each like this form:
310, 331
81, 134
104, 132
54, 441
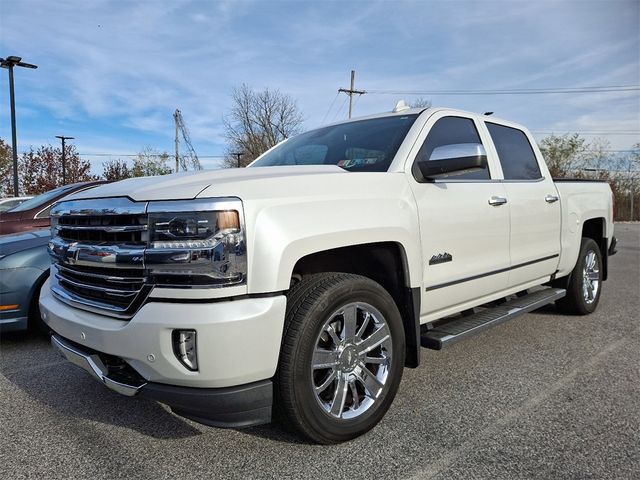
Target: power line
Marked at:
102, 154
588, 132
609, 150
330, 107
513, 91
356, 102
340, 109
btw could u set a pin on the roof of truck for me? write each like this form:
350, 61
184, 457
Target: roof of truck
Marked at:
417, 111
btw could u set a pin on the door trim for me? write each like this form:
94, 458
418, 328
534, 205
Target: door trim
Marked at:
493, 272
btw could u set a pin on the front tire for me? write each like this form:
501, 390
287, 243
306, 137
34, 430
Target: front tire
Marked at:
585, 284
342, 356
35, 323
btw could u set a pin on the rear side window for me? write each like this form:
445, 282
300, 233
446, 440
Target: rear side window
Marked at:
514, 150
450, 131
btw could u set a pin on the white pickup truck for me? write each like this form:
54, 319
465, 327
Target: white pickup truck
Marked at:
305, 283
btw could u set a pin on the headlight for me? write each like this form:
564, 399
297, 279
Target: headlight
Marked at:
191, 229
199, 242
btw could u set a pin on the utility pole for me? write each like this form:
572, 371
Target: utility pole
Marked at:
238, 155
64, 157
352, 91
9, 63
176, 118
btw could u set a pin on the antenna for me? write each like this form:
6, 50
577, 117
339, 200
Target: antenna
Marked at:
400, 106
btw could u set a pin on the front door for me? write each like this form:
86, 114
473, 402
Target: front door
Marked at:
464, 225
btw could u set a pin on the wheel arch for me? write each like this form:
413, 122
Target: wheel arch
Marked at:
387, 264
595, 228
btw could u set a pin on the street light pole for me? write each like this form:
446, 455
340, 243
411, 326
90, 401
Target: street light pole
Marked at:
64, 158
9, 63
14, 140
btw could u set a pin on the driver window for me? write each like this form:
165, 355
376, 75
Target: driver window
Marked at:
449, 131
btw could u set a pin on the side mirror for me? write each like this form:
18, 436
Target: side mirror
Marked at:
453, 160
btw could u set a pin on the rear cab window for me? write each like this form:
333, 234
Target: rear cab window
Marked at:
515, 153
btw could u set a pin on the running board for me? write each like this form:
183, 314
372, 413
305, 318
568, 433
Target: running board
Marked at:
448, 332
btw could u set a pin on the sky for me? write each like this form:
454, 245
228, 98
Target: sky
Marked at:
111, 72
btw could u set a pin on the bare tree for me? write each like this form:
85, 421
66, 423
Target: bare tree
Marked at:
257, 122
420, 102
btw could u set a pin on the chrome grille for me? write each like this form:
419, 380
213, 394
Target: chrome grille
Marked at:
130, 229
98, 249
106, 288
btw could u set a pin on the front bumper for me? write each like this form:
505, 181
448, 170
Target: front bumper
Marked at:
240, 406
238, 340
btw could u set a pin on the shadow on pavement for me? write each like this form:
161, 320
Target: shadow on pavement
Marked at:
30, 363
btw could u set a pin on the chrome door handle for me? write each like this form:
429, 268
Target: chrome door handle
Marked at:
497, 201
551, 198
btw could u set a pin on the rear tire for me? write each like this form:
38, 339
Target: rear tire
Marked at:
342, 356
585, 284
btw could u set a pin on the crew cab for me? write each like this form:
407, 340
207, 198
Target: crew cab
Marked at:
307, 282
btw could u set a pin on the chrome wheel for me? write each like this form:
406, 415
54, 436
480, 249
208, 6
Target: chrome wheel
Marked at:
351, 360
590, 277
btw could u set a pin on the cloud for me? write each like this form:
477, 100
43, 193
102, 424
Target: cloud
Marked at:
114, 72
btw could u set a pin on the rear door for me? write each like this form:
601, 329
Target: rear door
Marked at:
534, 206
464, 232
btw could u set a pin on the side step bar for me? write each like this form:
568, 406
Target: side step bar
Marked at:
447, 332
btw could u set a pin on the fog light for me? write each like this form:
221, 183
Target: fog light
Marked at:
184, 347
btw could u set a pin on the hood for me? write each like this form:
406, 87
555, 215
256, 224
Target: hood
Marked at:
187, 185
10, 244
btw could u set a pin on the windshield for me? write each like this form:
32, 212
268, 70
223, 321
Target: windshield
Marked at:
43, 198
363, 146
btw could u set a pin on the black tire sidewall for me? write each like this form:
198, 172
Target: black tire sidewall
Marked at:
309, 411
581, 304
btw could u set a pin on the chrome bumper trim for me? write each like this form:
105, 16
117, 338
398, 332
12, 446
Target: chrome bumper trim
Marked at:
92, 364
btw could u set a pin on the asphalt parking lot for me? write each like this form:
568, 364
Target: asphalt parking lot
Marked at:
543, 396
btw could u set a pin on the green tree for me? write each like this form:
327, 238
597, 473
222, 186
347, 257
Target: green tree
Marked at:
115, 170
150, 162
564, 154
6, 170
40, 169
